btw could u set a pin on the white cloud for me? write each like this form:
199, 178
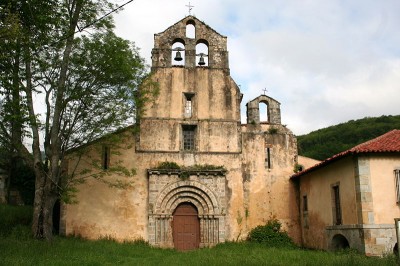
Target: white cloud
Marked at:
325, 61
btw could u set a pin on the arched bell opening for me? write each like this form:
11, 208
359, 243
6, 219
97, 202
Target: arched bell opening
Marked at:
178, 53
254, 114
264, 114
186, 227
202, 53
190, 29
340, 242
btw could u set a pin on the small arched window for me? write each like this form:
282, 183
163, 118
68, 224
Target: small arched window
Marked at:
190, 29
178, 53
202, 53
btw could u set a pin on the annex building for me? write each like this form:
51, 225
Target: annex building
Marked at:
353, 198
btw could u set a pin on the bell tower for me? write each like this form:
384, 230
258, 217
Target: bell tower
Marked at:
197, 109
190, 43
194, 120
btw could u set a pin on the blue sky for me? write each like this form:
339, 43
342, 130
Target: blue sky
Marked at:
326, 62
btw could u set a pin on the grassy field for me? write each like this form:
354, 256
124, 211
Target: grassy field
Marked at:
17, 248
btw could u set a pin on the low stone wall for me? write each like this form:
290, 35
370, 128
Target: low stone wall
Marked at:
373, 240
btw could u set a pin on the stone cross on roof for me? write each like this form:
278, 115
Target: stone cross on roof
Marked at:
265, 91
190, 8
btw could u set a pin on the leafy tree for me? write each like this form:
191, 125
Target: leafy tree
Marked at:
87, 82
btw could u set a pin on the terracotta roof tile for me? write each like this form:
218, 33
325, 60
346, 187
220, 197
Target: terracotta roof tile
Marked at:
389, 142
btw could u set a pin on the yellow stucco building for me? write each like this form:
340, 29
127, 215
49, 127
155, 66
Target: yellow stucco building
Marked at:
352, 198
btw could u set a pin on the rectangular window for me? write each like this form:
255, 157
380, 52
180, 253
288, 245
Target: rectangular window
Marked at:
189, 137
188, 105
305, 211
305, 203
106, 157
268, 158
397, 184
337, 212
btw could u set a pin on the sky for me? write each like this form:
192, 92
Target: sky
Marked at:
326, 62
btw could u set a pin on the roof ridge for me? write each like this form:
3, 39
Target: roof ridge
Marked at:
355, 148
388, 142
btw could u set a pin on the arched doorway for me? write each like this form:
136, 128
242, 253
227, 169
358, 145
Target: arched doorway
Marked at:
56, 217
186, 227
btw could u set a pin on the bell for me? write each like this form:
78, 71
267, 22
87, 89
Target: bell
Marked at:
201, 61
178, 56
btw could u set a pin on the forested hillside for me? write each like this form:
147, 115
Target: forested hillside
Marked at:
323, 143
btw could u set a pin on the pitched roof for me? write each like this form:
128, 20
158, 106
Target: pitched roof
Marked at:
389, 142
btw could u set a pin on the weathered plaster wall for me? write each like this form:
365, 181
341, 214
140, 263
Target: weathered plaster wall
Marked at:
216, 111
306, 162
380, 236
253, 194
317, 187
211, 136
216, 96
268, 192
383, 188
102, 210
123, 213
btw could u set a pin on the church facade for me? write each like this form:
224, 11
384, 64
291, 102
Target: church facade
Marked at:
201, 176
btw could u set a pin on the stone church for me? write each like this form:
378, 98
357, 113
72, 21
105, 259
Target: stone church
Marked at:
231, 176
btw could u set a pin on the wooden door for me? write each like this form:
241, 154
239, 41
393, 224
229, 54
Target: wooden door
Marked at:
186, 227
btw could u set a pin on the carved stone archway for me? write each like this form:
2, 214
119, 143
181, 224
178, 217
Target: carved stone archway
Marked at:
205, 190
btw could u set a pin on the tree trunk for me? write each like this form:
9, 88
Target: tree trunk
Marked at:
47, 180
41, 212
16, 123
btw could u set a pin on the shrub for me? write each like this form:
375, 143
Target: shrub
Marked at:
206, 167
298, 168
197, 167
168, 165
273, 130
271, 235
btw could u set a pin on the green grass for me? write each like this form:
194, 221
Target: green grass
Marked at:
12, 218
73, 251
17, 248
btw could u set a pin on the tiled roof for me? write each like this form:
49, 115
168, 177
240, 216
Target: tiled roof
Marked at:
389, 142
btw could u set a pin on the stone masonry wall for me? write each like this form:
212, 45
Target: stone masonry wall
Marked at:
373, 240
205, 190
